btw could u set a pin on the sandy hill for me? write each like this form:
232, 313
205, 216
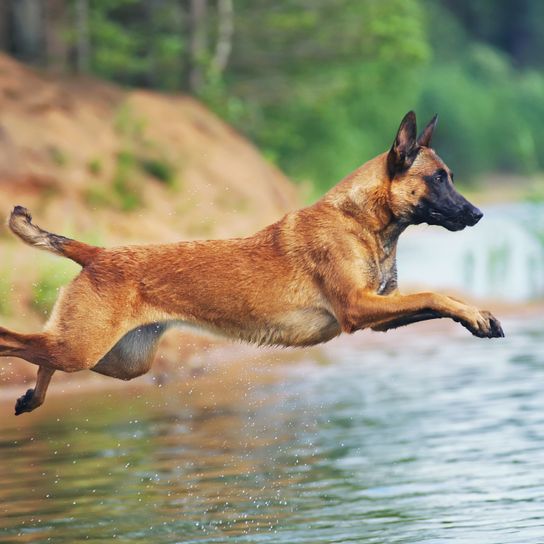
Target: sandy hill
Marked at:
112, 166
128, 164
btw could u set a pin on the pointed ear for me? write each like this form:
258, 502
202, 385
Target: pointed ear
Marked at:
424, 139
404, 149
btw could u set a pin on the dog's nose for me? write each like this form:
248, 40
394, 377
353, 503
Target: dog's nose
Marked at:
473, 215
477, 215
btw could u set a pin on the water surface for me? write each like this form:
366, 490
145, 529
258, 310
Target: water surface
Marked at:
438, 439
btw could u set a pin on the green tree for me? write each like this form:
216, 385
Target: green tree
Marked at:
323, 85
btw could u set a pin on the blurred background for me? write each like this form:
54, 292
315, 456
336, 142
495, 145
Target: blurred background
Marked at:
316, 85
131, 121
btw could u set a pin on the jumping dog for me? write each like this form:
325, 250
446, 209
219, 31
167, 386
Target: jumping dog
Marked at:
319, 271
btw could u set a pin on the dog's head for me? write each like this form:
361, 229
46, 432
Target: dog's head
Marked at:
422, 189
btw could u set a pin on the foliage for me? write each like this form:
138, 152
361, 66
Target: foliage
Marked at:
327, 107
126, 187
321, 86
481, 133
58, 156
51, 277
95, 167
125, 191
137, 42
323, 90
160, 169
5, 293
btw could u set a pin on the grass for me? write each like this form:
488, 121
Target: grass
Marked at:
160, 169
53, 273
128, 125
58, 156
127, 190
95, 167
5, 295
138, 156
535, 193
98, 196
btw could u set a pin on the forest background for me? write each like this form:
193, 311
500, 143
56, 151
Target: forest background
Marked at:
318, 85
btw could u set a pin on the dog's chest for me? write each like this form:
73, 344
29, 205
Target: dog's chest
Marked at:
387, 275
386, 260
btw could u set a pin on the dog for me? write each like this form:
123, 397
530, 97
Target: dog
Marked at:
319, 271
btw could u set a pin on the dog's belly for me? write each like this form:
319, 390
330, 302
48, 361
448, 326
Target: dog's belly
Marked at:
303, 327
133, 354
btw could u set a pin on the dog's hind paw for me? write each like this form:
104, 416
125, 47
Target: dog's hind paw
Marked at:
26, 403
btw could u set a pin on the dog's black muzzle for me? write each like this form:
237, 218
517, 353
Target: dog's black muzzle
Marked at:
445, 207
450, 217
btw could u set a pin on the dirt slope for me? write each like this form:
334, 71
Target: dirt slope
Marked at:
113, 166
88, 150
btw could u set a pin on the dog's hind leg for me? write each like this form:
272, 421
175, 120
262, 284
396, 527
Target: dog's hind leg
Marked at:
35, 397
31, 347
133, 354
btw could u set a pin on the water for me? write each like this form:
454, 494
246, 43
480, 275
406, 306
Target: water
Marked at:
423, 435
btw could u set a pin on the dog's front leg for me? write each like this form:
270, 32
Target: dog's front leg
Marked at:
407, 319
368, 310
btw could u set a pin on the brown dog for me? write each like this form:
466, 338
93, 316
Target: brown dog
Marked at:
319, 271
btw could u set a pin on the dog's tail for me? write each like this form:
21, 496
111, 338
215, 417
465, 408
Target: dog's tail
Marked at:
20, 222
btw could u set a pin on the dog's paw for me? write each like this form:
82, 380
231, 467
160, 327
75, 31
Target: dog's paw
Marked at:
483, 324
26, 403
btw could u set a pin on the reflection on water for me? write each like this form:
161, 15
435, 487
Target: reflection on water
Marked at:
501, 258
440, 440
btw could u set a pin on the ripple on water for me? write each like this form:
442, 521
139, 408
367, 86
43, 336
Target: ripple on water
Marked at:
441, 441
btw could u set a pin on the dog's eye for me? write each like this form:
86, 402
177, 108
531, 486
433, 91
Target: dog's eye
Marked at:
440, 176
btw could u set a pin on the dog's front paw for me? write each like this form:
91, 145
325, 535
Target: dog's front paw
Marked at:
26, 403
482, 324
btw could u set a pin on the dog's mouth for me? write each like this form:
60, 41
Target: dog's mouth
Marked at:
451, 223
454, 226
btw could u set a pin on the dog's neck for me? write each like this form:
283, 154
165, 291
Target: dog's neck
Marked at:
364, 196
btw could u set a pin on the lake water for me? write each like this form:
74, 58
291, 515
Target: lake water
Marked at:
423, 436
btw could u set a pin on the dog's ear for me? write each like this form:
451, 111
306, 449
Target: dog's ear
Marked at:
404, 149
424, 139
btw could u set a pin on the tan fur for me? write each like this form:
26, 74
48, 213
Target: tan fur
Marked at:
319, 271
